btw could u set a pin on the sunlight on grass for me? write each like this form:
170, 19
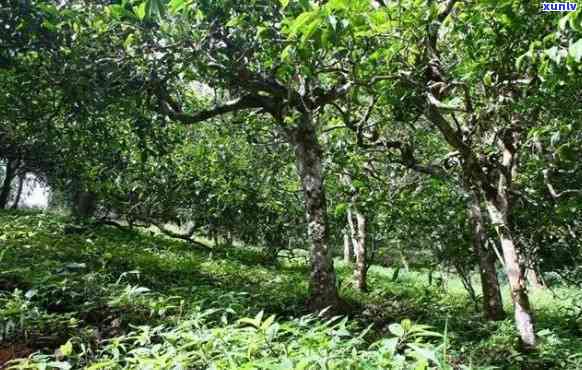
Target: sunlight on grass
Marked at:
111, 299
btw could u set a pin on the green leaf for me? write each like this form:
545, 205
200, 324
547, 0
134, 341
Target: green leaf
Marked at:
299, 22
176, 6
129, 40
286, 53
310, 30
338, 4
234, 22
248, 320
488, 78
268, 322
340, 209
563, 22
102, 365
155, 9
388, 346
116, 10
406, 324
140, 11
519, 62
284, 3
66, 349
59, 365
396, 329
259, 316
425, 353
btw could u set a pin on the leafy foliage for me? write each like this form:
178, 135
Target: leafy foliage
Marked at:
98, 304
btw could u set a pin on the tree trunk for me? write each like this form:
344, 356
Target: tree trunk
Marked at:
309, 157
358, 232
524, 320
352, 229
492, 302
404, 261
361, 271
7, 184
21, 180
347, 247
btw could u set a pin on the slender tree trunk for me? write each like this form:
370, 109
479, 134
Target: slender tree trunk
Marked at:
404, 261
358, 232
7, 184
361, 271
522, 310
498, 206
347, 247
492, 302
309, 156
21, 179
490, 243
352, 230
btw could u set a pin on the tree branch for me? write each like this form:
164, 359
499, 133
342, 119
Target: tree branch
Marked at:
243, 103
557, 195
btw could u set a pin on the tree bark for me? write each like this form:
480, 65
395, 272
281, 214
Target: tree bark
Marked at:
358, 228
492, 302
498, 207
361, 271
347, 247
515, 274
7, 183
21, 180
309, 157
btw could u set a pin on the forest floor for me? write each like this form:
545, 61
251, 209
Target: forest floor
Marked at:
105, 298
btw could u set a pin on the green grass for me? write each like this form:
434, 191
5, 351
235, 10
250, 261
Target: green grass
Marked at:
112, 299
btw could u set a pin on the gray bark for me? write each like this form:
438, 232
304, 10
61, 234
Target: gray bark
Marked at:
492, 302
498, 207
309, 157
357, 224
361, 270
347, 247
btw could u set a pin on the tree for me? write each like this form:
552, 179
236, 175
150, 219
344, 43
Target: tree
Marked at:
471, 93
215, 46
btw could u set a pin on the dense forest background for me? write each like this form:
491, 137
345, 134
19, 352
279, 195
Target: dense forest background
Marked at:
261, 184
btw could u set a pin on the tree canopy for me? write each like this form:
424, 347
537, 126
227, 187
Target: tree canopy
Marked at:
417, 134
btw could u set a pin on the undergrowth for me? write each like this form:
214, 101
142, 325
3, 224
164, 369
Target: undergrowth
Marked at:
104, 298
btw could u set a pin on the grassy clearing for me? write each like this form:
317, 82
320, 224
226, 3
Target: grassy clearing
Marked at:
107, 299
